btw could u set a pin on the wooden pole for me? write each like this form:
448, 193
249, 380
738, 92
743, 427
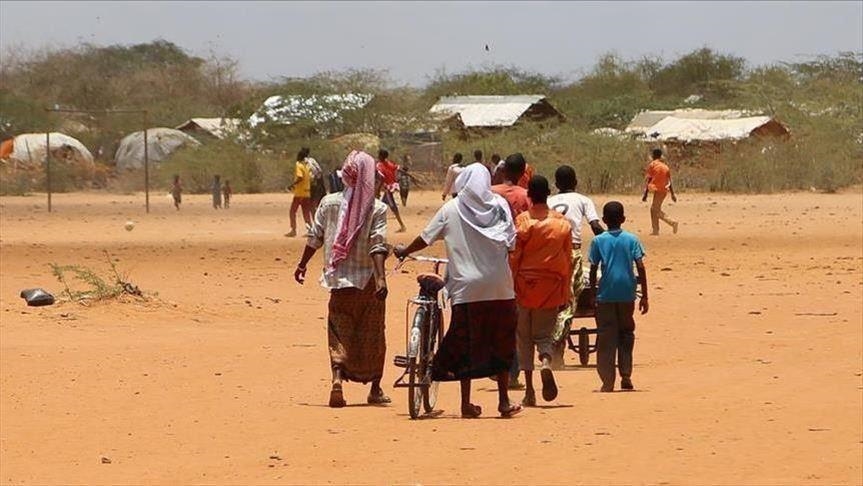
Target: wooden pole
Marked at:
48, 166
146, 166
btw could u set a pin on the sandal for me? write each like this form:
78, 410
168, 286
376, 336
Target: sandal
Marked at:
337, 398
549, 387
510, 411
471, 413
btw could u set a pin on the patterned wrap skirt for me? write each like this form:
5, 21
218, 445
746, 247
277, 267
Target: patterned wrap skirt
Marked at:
355, 333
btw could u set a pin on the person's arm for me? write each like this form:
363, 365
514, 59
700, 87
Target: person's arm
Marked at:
595, 257
402, 251
567, 249
643, 305
596, 227
379, 251
300, 272
592, 281
646, 186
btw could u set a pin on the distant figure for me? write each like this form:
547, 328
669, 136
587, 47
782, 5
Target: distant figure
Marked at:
227, 192
216, 189
318, 189
515, 195
477, 157
302, 188
405, 179
616, 251
388, 171
658, 181
452, 173
177, 192
496, 169
335, 179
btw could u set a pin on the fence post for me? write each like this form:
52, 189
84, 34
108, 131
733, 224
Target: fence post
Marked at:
146, 166
48, 166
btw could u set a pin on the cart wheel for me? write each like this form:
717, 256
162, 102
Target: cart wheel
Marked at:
583, 346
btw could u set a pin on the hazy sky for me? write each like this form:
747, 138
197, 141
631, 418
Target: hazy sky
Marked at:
413, 39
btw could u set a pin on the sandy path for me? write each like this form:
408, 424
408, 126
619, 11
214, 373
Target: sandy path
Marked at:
748, 365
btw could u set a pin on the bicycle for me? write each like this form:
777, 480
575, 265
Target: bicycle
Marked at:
423, 335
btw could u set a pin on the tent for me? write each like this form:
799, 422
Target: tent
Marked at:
713, 130
28, 150
494, 111
161, 143
220, 128
287, 110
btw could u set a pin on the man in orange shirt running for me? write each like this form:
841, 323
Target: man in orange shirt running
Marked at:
541, 267
658, 181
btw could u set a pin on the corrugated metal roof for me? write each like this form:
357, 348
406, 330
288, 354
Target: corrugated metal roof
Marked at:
695, 129
218, 127
486, 111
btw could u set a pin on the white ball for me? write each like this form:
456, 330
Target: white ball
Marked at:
130, 225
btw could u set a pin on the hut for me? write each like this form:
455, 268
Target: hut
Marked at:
481, 113
161, 143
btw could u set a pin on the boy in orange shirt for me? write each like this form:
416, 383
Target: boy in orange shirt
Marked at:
658, 181
541, 267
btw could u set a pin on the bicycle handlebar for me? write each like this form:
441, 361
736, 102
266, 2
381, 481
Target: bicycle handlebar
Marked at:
420, 258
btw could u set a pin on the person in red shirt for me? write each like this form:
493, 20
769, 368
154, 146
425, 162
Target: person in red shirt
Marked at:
541, 267
527, 176
515, 195
658, 181
389, 172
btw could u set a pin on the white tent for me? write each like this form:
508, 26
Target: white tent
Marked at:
28, 150
712, 130
642, 122
286, 110
161, 143
220, 128
493, 111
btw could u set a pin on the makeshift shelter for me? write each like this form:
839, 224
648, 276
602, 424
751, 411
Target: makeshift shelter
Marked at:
713, 130
642, 122
366, 142
28, 150
489, 112
287, 110
220, 128
161, 143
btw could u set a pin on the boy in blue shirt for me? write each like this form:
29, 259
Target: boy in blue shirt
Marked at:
616, 251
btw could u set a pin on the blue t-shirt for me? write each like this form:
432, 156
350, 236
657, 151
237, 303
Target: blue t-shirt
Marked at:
616, 252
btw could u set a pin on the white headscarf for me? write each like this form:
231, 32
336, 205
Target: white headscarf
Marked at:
484, 210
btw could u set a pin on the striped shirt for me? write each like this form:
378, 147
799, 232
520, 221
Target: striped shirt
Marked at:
358, 268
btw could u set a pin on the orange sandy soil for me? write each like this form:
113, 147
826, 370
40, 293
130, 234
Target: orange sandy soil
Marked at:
748, 366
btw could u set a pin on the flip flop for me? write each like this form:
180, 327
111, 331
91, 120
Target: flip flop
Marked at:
337, 398
549, 387
474, 412
378, 399
510, 412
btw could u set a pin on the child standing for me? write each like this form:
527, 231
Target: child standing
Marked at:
616, 251
177, 192
227, 192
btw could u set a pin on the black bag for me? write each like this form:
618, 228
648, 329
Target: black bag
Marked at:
37, 297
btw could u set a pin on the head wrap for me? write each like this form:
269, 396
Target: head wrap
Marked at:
358, 174
482, 209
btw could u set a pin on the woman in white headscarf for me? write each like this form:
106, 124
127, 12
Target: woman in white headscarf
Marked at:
478, 232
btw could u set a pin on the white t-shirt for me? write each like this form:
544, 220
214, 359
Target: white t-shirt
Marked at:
575, 207
478, 267
452, 173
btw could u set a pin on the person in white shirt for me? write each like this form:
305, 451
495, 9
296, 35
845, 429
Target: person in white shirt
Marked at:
478, 231
577, 208
452, 173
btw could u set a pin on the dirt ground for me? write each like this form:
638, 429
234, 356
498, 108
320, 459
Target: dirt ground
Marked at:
748, 366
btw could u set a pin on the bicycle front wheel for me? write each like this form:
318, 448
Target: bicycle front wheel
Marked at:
416, 365
434, 336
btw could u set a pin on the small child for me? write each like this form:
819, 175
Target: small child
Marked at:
177, 192
616, 251
227, 192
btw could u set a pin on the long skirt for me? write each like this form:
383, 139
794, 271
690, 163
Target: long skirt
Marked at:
480, 341
355, 333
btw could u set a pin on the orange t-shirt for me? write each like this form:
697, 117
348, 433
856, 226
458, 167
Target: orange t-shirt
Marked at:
659, 176
515, 196
525, 178
542, 260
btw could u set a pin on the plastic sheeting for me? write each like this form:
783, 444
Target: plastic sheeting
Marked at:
28, 150
689, 129
161, 142
486, 111
286, 110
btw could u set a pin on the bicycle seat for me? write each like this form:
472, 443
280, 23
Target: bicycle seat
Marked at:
430, 283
